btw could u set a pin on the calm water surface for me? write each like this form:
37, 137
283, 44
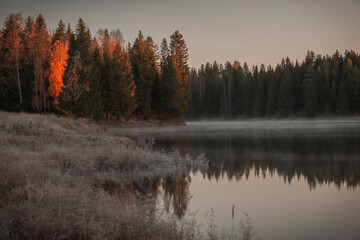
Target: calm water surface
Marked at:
295, 179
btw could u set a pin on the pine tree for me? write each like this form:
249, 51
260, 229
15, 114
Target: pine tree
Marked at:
83, 45
77, 73
209, 89
141, 66
224, 108
228, 77
68, 33
60, 34
194, 89
29, 63
70, 93
82, 48
171, 104
247, 91
108, 80
344, 96
202, 93
325, 86
179, 54
259, 102
153, 56
285, 100
310, 92
12, 50
41, 59
237, 90
95, 102
124, 81
158, 91
297, 90
273, 78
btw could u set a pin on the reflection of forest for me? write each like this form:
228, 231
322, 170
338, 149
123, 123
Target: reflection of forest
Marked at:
175, 192
319, 159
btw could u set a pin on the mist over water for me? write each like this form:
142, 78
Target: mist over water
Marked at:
295, 179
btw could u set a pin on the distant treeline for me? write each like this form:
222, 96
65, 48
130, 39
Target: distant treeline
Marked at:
70, 72
320, 85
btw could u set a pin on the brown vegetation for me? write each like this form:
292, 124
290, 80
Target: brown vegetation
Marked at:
64, 179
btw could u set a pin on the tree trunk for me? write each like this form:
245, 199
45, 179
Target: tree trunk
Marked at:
18, 77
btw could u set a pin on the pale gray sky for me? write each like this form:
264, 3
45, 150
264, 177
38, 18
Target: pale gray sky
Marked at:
255, 31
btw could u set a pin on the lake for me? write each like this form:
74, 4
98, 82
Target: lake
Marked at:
295, 179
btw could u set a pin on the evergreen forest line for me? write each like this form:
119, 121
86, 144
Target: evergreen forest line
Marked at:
70, 72
319, 86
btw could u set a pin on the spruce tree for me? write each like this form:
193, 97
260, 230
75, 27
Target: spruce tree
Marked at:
60, 33
157, 96
344, 96
247, 103
108, 79
12, 50
95, 109
273, 78
285, 100
259, 102
171, 105
29, 58
77, 73
153, 56
170, 95
124, 82
202, 93
194, 89
41, 60
179, 54
310, 92
297, 90
238, 77
141, 65
209, 89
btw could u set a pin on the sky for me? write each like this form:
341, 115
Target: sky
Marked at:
252, 31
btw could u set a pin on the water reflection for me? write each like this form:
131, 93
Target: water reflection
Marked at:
319, 162
176, 193
319, 159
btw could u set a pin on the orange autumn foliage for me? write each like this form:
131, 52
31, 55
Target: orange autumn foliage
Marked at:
58, 59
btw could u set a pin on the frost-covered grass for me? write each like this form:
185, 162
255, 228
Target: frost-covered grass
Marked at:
66, 179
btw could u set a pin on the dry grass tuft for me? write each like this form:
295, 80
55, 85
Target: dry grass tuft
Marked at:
64, 179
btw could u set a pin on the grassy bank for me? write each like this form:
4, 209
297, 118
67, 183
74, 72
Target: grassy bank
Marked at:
66, 179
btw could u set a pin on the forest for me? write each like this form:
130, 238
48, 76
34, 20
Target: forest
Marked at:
70, 72
318, 86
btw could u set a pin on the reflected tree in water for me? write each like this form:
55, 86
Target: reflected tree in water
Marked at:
177, 193
318, 159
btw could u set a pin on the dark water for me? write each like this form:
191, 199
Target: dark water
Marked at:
295, 179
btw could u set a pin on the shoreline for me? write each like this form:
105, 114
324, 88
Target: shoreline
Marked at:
355, 117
